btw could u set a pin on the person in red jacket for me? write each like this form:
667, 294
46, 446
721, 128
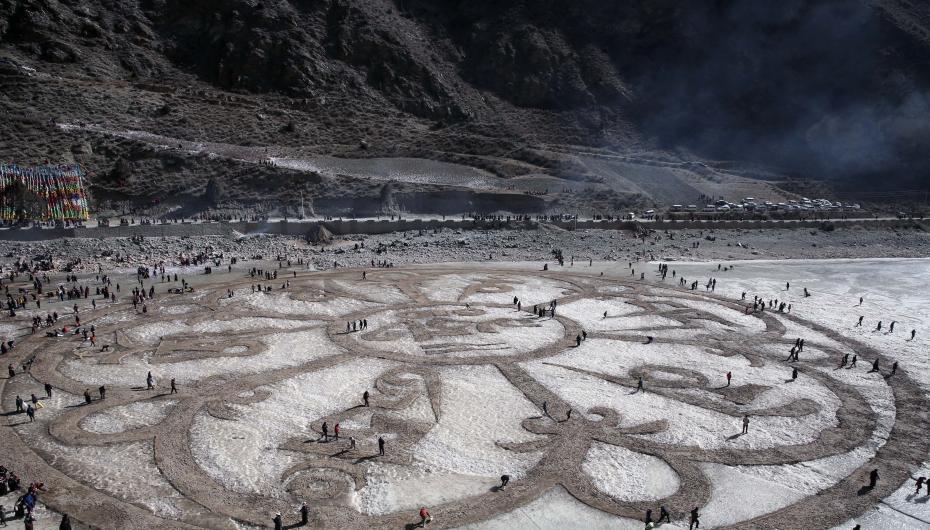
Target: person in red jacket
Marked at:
425, 517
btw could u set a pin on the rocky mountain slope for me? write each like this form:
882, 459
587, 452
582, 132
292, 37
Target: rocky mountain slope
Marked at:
542, 92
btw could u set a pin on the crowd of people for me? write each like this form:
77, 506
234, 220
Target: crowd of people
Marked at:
73, 290
25, 505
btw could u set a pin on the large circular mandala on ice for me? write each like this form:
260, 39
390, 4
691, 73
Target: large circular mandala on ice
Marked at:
464, 386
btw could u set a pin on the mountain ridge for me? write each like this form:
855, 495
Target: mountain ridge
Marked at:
483, 82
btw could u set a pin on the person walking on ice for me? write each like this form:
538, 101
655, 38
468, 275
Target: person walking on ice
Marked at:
745, 424
695, 519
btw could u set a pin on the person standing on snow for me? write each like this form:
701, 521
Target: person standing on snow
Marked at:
695, 519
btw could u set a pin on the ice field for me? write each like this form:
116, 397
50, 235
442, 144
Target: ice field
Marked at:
465, 387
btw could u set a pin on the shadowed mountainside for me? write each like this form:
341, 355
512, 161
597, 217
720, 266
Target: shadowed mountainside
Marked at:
548, 89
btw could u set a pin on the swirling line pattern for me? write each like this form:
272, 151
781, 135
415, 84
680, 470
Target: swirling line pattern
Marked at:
423, 330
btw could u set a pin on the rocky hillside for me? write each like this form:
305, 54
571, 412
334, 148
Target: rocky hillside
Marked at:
813, 88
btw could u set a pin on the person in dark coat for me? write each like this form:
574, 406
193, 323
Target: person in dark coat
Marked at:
695, 519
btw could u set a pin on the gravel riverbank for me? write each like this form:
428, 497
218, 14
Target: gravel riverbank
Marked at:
479, 245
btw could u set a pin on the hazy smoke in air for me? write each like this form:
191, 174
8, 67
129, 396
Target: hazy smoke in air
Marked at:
816, 87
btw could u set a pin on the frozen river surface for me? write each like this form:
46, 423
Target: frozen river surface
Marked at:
467, 384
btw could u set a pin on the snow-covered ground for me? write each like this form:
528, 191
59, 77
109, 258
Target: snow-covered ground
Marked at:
689, 425
459, 332
283, 349
461, 455
386, 294
529, 289
891, 289
282, 303
124, 470
243, 454
479, 408
555, 510
495, 288
128, 417
393, 488
627, 475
